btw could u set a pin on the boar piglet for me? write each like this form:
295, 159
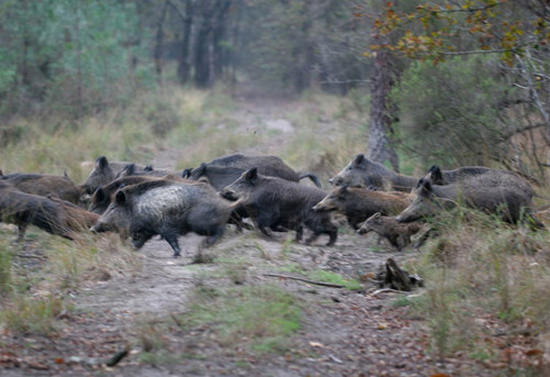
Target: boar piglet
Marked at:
398, 234
271, 166
276, 203
362, 171
357, 203
166, 208
504, 194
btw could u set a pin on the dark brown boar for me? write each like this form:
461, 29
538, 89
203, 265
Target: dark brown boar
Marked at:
52, 215
505, 194
271, 166
367, 173
358, 203
169, 209
104, 172
75, 218
44, 185
398, 234
276, 203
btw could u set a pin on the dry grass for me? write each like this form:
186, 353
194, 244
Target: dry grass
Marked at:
483, 276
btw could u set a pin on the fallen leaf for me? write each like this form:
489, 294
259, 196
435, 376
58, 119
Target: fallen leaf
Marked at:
533, 352
440, 375
316, 344
59, 360
382, 325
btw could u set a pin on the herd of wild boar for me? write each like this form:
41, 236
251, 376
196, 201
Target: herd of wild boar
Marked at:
139, 202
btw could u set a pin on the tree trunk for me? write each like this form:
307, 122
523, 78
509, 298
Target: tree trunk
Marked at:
184, 64
379, 147
159, 41
201, 64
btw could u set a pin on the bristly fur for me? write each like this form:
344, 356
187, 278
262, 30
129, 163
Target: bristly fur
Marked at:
358, 203
274, 203
364, 172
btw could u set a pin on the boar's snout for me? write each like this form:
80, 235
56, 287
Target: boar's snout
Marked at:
96, 228
402, 219
336, 181
229, 194
362, 230
318, 207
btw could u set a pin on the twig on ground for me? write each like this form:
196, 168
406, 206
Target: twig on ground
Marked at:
331, 285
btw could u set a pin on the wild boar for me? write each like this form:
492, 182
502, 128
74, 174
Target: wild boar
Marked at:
276, 203
105, 172
441, 177
358, 203
44, 185
364, 172
52, 215
218, 176
504, 194
398, 234
166, 208
104, 195
133, 169
271, 166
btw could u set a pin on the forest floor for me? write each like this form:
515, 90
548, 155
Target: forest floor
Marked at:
176, 317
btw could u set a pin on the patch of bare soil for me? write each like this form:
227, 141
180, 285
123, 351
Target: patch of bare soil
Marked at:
344, 333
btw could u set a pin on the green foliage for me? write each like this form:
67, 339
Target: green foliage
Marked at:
334, 278
449, 113
71, 54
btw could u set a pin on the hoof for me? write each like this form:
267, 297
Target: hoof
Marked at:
177, 255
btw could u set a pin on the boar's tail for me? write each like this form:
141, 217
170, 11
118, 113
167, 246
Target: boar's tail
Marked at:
313, 178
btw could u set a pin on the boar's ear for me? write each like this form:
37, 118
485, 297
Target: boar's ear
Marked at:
99, 194
426, 185
130, 169
148, 168
344, 188
251, 175
120, 197
186, 173
436, 175
358, 159
1, 173
102, 162
376, 215
201, 170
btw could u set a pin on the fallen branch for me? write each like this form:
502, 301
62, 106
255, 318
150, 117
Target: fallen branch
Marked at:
331, 285
384, 290
31, 256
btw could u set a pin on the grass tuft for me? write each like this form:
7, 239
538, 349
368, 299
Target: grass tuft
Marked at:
261, 316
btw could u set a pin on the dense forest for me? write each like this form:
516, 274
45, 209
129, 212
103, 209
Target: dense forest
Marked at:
457, 81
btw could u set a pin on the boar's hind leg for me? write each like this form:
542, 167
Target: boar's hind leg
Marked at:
333, 235
173, 241
300, 233
21, 228
210, 240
